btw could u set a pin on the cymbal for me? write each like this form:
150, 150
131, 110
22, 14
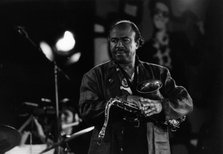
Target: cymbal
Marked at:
9, 138
28, 108
81, 132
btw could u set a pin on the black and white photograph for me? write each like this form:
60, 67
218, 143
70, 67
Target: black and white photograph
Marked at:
111, 77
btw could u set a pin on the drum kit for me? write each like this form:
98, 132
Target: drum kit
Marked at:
9, 138
12, 140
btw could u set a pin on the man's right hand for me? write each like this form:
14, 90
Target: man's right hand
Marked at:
135, 100
146, 105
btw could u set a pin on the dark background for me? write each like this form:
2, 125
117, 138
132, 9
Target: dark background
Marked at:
26, 75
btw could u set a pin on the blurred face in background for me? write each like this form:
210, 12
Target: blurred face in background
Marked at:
67, 117
161, 16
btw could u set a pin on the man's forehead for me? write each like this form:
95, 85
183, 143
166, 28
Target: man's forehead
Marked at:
122, 30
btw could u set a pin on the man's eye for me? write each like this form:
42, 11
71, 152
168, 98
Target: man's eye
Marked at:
114, 40
126, 40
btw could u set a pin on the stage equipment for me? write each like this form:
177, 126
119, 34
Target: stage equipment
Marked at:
9, 138
69, 138
53, 58
37, 109
29, 149
65, 43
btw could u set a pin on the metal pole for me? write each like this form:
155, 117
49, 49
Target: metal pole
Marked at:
58, 126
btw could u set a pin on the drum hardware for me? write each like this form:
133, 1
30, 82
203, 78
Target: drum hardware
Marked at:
32, 113
9, 138
69, 138
30, 120
33, 121
39, 109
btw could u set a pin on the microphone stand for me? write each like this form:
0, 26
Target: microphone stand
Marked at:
58, 127
23, 33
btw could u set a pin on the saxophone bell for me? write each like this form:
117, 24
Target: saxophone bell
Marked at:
150, 89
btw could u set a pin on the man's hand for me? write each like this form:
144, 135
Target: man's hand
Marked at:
150, 107
135, 101
146, 105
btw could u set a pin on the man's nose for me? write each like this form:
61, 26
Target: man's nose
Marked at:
119, 43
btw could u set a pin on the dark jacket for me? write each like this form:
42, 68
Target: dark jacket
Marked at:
102, 83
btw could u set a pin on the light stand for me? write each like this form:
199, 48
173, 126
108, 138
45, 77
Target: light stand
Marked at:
24, 34
56, 95
58, 121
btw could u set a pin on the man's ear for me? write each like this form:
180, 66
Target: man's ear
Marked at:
137, 44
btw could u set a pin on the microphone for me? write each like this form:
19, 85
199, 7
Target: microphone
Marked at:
31, 104
21, 30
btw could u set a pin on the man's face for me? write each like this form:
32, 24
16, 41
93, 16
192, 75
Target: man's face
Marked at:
67, 117
161, 16
122, 44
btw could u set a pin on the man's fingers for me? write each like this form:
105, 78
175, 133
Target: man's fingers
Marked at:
145, 100
150, 111
148, 105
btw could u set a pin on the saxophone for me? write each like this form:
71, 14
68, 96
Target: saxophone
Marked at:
148, 89
151, 89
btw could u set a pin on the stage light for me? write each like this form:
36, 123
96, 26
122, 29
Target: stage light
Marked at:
47, 50
74, 58
61, 50
65, 44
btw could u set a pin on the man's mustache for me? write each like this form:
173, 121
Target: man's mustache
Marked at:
120, 49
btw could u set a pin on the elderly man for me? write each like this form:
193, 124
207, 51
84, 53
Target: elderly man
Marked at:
115, 98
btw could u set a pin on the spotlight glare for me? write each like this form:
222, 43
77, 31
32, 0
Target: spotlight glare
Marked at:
74, 58
47, 51
66, 43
